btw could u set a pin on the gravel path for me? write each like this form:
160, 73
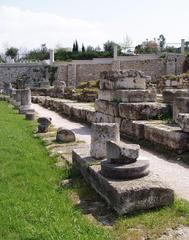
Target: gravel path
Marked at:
174, 173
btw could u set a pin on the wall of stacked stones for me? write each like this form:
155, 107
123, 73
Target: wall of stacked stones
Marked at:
151, 67
87, 72
33, 74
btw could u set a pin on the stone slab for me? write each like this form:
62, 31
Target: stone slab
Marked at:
124, 196
128, 95
183, 121
169, 95
143, 111
168, 136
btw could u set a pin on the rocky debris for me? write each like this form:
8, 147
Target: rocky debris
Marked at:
67, 183
183, 121
44, 124
65, 136
181, 233
100, 134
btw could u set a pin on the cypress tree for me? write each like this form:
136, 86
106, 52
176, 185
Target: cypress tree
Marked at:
76, 46
83, 48
73, 49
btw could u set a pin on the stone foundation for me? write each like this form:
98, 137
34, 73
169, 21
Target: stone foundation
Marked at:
123, 196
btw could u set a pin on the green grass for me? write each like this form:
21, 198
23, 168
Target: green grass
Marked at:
32, 206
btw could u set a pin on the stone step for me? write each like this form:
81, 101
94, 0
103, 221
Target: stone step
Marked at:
125, 171
132, 96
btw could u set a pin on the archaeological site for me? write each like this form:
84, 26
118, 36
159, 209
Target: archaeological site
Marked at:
94, 141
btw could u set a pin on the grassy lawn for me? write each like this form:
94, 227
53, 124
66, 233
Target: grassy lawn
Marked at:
34, 207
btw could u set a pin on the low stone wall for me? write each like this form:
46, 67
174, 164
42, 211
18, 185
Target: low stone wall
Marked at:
170, 137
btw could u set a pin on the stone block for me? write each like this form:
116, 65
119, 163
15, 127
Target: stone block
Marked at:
138, 169
104, 118
128, 95
128, 79
134, 129
169, 95
65, 136
124, 196
180, 105
143, 111
44, 124
109, 108
168, 136
122, 153
183, 121
100, 134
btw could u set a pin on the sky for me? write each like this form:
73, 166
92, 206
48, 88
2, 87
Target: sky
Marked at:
29, 23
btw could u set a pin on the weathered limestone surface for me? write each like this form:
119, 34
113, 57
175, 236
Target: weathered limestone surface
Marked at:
79, 111
124, 196
169, 95
170, 137
109, 108
129, 79
143, 111
180, 105
183, 121
100, 134
148, 95
65, 136
122, 153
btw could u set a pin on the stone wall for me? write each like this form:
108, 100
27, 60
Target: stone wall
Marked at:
34, 74
89, 70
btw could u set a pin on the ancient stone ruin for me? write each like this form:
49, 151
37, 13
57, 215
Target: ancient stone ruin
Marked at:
44, 124
65, 136
121, 177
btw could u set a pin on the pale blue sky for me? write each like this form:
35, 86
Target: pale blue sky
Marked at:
29, 23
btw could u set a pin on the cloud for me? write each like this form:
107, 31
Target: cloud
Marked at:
24, 28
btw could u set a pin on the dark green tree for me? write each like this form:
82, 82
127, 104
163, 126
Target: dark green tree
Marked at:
109, 47
76, 46
11, 52
73, 49
83, 48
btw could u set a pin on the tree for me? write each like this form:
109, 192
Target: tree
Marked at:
109, 47
76, 46
73, 49
127, 43
83, 48
90, 48
161, 40
11, 52
147, 47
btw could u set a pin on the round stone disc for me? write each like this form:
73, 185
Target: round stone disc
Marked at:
125, 171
